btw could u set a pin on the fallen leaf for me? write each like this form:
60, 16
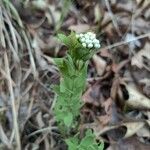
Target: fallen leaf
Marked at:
100, 64
97, 13
125, 130
137, 60
92, 96
79, 28
148, 121
136, 99
144, 132
128, 144
132, 128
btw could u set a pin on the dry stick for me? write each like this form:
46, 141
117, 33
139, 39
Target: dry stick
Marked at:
126, 42
10, 87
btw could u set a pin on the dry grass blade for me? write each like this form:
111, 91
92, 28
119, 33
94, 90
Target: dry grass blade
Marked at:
6, 76
4, 138
14, 110
15, 41
45, 130
33, 66
2, 38
5, 37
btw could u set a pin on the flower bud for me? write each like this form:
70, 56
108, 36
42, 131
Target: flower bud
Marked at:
90, 45
82, 39
97, 45
84, 44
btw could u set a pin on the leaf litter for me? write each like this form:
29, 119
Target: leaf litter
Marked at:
117, 96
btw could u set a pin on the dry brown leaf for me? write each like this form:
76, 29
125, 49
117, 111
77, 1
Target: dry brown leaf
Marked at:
56, 14
144, 132
148, 121
109, 114
80, 28
136, 99
106, 18
97, 13
147, 114
128, 144
132, 128
92, 96
128, 6
138, 58
104, 120
100, 64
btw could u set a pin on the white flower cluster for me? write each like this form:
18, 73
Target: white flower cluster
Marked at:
88, 40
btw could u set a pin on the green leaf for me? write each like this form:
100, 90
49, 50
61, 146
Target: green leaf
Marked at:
63, 39
66, 85
72, 143
70, 68
101, 147
88, 139
88, 142
73, 40
56, 88
68, 119
58, 61
62, 86
70, 59
80, 80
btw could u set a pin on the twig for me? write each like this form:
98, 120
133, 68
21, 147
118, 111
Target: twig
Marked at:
126, 42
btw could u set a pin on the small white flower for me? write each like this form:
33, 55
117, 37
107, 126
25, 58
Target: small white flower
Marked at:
87, 36
88, 40
81, 35
97, 45
84, 44
92, 37
82, 39
91, 34
96, 41
90, 45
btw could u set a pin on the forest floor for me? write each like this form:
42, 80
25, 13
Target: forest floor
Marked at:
117, 96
